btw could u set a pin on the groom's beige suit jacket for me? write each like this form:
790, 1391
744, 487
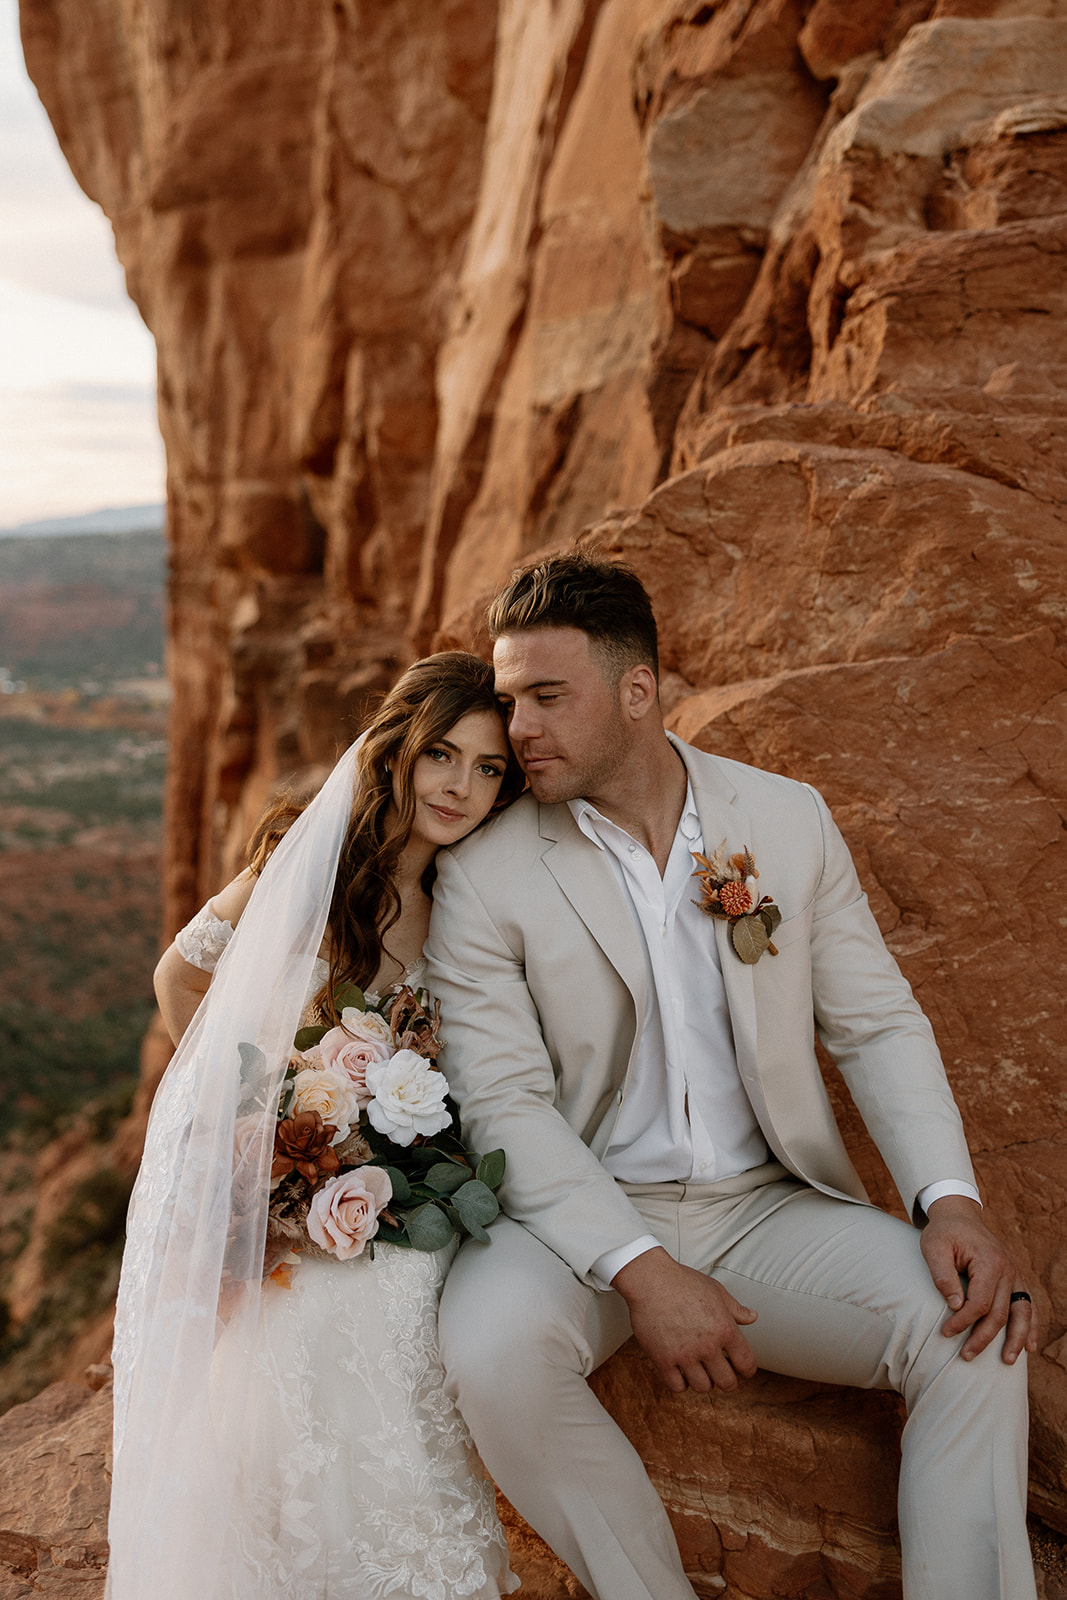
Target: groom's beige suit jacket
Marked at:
536, 957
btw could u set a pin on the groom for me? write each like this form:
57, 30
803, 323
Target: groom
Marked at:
674, 1169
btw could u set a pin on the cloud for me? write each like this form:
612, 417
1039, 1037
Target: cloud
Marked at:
48, 340
67, 448
77, 365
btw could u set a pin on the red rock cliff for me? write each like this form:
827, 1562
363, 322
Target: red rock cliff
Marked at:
437, 285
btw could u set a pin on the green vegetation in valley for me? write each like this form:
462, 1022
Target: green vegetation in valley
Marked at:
81, 607
82, 764
92, 775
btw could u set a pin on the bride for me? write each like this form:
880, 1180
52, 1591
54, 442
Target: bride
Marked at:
289, 1438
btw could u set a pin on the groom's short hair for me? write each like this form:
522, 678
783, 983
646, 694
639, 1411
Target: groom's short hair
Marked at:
605, 599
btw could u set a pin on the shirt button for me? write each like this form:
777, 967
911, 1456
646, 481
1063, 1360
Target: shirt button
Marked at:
703, 1167
632, 849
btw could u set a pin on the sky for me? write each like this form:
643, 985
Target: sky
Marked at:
77, 365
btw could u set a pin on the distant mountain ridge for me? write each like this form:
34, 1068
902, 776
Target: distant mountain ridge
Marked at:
109, 519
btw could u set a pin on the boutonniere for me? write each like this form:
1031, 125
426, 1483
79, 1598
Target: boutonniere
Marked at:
726, 895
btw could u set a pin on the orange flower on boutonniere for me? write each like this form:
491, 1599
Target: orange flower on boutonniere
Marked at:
725, 894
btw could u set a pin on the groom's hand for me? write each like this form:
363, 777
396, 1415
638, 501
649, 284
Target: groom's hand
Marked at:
687, 1323
977, 1277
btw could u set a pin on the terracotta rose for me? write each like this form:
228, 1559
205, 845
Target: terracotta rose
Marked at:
303, 1142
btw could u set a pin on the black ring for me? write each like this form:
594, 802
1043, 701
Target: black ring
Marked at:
1020, 1294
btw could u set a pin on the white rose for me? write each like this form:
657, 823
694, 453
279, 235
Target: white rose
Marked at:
330, 1092
408, 1098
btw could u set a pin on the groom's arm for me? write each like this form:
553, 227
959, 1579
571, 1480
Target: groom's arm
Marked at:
877, 1034
884, 1045
502, 1078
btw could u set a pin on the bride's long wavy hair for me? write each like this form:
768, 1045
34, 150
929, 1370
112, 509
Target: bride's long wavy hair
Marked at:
427, 700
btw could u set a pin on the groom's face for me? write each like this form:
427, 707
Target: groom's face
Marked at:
565, 717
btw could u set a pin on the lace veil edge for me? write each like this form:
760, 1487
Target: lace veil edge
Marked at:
189, 1297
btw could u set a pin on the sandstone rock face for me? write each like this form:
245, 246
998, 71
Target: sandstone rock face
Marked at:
767, 296
55, 1454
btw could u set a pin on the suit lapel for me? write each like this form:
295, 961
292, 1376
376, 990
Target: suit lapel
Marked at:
586, 877
723, 817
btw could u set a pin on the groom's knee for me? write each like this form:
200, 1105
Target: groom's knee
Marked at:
513, 1318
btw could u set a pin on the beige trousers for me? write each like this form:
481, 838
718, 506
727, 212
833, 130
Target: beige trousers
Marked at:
843, 1296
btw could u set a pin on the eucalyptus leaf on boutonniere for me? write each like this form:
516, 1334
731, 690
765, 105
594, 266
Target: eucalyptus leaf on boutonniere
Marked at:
725, 895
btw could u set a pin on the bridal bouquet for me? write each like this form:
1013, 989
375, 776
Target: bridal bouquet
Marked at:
366, 1145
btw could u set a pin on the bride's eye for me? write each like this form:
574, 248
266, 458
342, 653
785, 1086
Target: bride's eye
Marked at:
437, 754
487, 770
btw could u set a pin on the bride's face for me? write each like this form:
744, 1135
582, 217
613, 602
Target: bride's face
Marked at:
456, 780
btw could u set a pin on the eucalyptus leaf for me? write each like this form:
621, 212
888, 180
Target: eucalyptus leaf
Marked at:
491, 1169
252, 1061
427, 1227
256, 1087
350, 996
461, 1226
476, 1204
306, 1037
446, 1176
749, 938
387, 1234
401, 1186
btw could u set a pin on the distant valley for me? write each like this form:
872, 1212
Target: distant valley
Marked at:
83, 607
83, 745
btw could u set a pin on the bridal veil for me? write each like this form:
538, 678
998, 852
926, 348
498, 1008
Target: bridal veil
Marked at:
195, 1239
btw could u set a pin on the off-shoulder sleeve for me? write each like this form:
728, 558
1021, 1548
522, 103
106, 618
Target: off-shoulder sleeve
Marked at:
202, 941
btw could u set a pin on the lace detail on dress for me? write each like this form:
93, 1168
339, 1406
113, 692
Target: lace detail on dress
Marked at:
202, 941
412, 976
360, 1482
358, 1478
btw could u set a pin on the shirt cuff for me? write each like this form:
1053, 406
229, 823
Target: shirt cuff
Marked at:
606, 1266
937, 1191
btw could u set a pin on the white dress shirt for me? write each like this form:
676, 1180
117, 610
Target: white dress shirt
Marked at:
686, 1117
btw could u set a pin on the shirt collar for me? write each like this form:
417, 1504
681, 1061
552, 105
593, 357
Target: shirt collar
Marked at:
593, 822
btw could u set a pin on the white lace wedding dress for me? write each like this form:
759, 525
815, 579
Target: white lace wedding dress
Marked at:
359, 1481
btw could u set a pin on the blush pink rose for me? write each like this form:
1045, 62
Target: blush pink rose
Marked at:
344, 1212
361, 1043
250, 1138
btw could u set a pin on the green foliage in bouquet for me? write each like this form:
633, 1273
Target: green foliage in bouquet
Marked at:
405, 1125
441, 1199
